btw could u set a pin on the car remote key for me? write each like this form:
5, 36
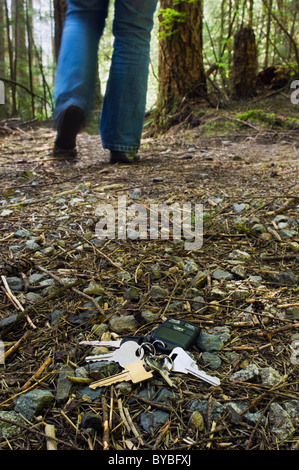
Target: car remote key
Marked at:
174, 333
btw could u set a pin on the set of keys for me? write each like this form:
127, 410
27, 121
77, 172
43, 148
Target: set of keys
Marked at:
140, 359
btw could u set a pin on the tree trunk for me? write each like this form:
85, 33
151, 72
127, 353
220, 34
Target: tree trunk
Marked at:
60, 9
181, 70
245, 64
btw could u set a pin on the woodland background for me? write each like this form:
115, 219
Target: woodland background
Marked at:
213, 52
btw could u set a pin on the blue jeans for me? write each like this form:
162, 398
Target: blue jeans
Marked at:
124, 102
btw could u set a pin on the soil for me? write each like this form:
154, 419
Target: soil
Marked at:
250, 163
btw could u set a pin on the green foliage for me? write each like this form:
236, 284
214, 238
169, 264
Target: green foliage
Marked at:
168, 19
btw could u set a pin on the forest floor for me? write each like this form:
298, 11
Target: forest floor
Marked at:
60, 286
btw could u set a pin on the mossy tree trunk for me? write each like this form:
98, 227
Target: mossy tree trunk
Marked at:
244, 72
181, 70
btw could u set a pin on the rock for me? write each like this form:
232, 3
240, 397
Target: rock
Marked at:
191, 293
123, 388
122, 325
32, 245
190, 266
150, 421
156, 271
239, 207
149, 316
196, 421
33, 297
157, 292
223, 332
34, 278
132, 294
63, 384
250, 418
199, 303
222, 275
8, 430
280, 422
247, 373
206, 408
56, 315
239, 255
269, 376
94, 289
98, 330
239, 271
284, 278
88, 392
15, 283
92, 420
209, 342
212, 361
292, 313
124, 276
258, 229
199, 280
33, 402
163, 396
292, 408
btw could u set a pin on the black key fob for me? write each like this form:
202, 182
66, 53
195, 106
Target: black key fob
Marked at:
174, 333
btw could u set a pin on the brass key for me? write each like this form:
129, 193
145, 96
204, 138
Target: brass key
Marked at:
134, 372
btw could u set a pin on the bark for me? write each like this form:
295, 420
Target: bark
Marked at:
181, 70
245, 64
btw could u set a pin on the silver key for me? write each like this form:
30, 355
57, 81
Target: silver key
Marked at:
108, 344
180, 361
127, 353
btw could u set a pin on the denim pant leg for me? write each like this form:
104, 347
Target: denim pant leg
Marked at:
125, 98
77, 63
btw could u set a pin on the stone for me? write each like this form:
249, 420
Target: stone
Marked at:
33, 402
8, 430
63, 384
15, 283
239, 207
33, 297
247, 373
157, 292
149, 316
124, 276
94, 289
199, 280
212, 361
222, 275
209, 342
280, 422
92, 420
123, 324
156, 271
150, 421
213, 408
239, 255
269, 376
239, 271
196, 421
56, 315
190, 267
132, 294
284, 278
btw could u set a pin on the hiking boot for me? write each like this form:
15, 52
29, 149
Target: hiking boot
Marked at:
123, 157
69, 124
